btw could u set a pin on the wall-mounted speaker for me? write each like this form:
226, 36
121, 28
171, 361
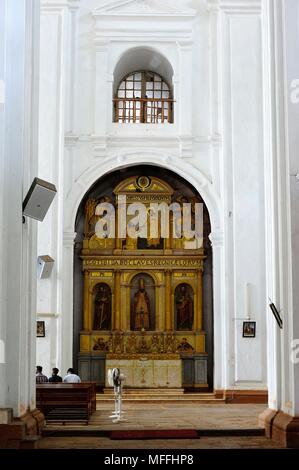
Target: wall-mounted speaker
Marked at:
45, 266
38, 199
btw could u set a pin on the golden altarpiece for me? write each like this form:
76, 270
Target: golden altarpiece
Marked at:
142, 308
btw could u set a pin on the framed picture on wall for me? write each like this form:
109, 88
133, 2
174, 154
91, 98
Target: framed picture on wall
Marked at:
249, 329
40, 329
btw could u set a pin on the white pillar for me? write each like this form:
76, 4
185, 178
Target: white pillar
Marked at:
281, 49
221, 320
57, 83
65, 320
291, 44
19, 38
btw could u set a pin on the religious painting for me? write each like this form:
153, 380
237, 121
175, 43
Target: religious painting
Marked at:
184, 307
249, 329
102, 307
40, 329
142, 303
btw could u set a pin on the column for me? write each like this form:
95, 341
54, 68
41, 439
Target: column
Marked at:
65, 305
19, 39
118, 240
282, 205
221, 320
86, 302
168, 306
56, 107
167, 243
198, 311
117, 301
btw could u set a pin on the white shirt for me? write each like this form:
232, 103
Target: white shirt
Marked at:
72, 378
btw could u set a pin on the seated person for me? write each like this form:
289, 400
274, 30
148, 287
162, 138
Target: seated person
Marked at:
55, 378
40, 378
71, 377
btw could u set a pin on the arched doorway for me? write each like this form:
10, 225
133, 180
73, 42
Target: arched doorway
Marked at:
91, 358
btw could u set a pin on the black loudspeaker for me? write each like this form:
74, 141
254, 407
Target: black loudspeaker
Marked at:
38, 199
45, 266
276, 314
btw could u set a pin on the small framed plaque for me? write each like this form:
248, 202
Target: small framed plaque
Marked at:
249, 329
40, 329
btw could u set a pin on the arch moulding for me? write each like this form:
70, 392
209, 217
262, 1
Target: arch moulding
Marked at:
184, 169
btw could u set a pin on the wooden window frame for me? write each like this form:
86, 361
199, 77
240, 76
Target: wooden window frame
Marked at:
143, 103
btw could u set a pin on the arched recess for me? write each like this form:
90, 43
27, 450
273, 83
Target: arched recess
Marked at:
86, 180
111, 180
142, 58
82, 183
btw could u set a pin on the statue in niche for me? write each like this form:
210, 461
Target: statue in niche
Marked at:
141, 309
184, 307
102, 308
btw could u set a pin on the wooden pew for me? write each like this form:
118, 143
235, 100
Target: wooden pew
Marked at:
65, 402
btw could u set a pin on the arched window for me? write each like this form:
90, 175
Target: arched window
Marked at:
143, 97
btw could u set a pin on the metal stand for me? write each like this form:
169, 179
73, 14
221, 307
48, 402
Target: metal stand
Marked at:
118, 413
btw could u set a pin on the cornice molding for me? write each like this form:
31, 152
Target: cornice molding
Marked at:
56, 5
237, 7
142, 8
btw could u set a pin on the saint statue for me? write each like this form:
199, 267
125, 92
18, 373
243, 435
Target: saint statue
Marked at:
102, 309
184, 308
141, 310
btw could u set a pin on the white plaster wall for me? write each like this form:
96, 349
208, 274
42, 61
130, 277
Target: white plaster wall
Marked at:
244, 195
46, 347
216, 143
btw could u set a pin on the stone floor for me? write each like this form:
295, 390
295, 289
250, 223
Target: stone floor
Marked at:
225, 419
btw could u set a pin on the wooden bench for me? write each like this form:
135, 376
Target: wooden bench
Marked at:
65, 402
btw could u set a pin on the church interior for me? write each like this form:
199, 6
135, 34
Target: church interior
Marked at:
169, 110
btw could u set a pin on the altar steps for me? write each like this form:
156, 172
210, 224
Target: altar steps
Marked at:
175, 396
